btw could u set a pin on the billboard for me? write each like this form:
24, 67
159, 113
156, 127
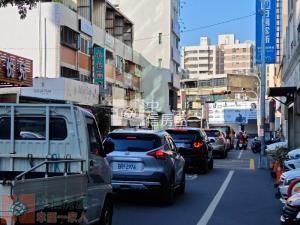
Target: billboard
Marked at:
270, 31
99, 67
240, 112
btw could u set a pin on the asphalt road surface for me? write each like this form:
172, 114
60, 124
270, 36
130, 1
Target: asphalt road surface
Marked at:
236, 192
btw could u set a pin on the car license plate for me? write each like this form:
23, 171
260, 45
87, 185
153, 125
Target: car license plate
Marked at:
181, 145
126, 166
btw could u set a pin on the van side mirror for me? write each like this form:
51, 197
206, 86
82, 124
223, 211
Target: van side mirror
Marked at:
109, 146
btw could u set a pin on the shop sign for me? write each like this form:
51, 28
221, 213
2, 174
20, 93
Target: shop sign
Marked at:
15, 70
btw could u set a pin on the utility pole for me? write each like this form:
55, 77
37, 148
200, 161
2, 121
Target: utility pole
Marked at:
263, 158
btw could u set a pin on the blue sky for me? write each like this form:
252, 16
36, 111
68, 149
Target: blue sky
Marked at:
198, 13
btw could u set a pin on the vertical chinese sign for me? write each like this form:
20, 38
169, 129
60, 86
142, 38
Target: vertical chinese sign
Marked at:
270, 30
99, 67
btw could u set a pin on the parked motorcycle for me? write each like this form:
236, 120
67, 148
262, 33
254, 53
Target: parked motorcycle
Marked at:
256, 145
291, 211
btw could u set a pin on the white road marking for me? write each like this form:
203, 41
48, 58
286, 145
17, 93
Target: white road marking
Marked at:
213, 205
240, 155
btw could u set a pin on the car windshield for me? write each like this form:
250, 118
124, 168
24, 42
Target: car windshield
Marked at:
212, 133
135, 142
190, 135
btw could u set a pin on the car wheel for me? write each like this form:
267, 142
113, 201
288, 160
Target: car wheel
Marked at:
204, 167
211, 164
181, 189
107, 213
168, 193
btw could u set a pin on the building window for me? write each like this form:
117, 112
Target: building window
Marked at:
160, 62
69, 37
69, 73
85, 78
85, 45
244, 50
159, 38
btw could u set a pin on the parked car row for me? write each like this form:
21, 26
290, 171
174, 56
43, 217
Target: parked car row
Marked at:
157, 161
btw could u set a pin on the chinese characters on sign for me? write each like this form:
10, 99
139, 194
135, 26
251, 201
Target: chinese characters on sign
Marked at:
142, 114
99, 67
269, 29
15, 70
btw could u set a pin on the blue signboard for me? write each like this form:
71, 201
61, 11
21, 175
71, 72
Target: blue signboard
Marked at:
270, 31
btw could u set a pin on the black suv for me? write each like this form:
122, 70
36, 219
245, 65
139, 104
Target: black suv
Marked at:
194, 146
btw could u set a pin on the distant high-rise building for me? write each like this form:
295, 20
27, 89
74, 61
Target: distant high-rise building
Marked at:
201, 59
228, 56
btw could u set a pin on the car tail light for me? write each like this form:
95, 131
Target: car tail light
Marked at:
158, 154
198, 144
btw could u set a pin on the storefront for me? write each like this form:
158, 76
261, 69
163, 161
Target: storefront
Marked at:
290, 99
55, 90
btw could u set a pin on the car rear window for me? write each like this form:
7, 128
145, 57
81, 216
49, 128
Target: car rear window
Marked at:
135, 142
190, 135
212, 133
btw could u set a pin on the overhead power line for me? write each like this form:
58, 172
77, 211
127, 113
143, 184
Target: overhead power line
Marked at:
204, 27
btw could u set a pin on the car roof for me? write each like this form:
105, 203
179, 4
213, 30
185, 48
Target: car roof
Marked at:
138, 131
184, 128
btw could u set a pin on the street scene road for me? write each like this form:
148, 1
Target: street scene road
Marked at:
234, 193
150, 112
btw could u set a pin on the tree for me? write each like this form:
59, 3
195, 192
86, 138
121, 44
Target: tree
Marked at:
23, 5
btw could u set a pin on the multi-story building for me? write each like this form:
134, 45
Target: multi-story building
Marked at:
235, 57
61, 37
228, 56
195, 93
157, 36
289, 69
202, 59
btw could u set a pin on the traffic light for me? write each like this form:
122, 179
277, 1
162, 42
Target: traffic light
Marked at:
221, 93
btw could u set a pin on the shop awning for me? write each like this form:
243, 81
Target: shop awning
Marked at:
288, 92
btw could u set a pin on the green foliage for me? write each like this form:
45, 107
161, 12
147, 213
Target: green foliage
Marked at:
23, 5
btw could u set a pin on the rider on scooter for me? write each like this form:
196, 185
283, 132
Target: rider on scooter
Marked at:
242, 138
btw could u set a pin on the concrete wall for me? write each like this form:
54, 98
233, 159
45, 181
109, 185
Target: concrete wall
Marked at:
33, 46
150, 17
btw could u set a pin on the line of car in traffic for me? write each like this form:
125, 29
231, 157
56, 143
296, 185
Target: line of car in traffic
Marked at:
157, 161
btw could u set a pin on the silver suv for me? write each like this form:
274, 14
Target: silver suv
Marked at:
146, 160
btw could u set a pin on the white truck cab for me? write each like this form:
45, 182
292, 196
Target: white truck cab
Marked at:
53, 167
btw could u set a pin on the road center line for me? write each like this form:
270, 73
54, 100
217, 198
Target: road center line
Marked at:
213, 205
240, 155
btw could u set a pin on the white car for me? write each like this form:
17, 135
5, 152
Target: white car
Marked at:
285, 180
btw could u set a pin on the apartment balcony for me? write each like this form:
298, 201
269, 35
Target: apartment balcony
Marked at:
136, 83
176, 28
127, 78
110, 73
176, 55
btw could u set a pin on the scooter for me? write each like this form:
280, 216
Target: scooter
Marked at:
291, 211
242, 144
256, 145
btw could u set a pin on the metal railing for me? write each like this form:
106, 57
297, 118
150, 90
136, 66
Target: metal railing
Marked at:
47, 163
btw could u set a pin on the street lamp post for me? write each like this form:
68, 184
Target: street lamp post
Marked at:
263, 158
